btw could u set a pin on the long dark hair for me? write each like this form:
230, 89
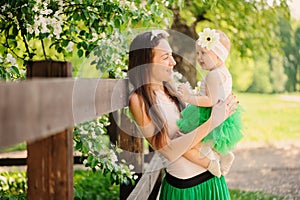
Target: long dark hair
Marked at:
139, 68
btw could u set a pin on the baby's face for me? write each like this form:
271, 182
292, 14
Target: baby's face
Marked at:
207, 59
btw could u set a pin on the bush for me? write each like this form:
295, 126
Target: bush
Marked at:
13, 185
87, 185
94, 185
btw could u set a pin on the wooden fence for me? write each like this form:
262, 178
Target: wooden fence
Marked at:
42, 112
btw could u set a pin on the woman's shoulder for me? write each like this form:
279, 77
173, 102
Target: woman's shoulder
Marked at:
136, 103
135, 99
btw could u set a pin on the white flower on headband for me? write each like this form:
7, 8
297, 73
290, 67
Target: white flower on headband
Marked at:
208, 38
155, 33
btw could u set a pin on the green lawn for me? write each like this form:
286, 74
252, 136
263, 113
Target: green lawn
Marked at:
269, 118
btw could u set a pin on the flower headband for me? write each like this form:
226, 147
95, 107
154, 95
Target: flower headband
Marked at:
210, 39
155, 33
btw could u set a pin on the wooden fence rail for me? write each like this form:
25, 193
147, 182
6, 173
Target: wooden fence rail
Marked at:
43, 111
38, 108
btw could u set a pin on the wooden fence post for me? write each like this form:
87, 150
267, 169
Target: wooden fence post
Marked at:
50, 160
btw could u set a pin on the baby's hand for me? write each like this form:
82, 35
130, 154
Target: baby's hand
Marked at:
184, 92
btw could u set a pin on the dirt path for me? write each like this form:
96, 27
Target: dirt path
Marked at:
271, 169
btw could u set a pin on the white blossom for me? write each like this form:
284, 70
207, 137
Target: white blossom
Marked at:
10, 59
85, 161
95, 37
3, 8
57, 30
70, 46
131, 167
44, 26
113, 157
102, 35
10, 15
46, 12
135, 177
3, 179
22, 71
35, 8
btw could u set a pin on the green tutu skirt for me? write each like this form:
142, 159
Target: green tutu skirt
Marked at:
212, 189
223, 138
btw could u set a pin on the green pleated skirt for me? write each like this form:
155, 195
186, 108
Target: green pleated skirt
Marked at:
212, 189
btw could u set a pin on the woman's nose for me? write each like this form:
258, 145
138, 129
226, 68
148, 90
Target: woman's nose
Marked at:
172, 61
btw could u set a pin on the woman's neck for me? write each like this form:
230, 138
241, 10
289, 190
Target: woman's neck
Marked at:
157, 87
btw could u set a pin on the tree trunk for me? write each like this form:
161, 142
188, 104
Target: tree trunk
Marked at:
184, 48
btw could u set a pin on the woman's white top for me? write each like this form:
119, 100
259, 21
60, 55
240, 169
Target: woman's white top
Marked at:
179, 167
172, 155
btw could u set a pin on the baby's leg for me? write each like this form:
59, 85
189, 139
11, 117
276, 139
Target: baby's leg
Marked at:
208, 158
226, 162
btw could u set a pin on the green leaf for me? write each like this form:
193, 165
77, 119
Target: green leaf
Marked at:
82, 32
80, 53
65, 43
76, 16
15, 70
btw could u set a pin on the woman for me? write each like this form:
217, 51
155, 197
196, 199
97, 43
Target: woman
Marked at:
156, 108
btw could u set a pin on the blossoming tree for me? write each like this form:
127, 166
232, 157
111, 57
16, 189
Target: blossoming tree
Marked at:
71, 30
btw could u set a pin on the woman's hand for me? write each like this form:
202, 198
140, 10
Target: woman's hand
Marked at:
222, 110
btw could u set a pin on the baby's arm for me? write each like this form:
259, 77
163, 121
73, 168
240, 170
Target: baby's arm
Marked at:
188, 97
214, 86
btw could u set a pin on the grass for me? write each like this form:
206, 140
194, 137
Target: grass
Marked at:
243, 195
269, 118
18, 147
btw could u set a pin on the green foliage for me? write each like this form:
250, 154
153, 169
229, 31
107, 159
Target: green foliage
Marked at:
60, 30
9, 69
242, 71
252, 27
94, 185
13, 185
277, 76
290, 37
243, 195
261, 79
87, 185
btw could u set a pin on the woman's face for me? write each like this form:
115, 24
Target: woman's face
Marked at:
163, 62
207, 59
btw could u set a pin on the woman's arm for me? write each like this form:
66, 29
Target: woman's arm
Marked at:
175, 148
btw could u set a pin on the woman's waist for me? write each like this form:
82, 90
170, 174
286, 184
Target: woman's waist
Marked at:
182, 168
189, 182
